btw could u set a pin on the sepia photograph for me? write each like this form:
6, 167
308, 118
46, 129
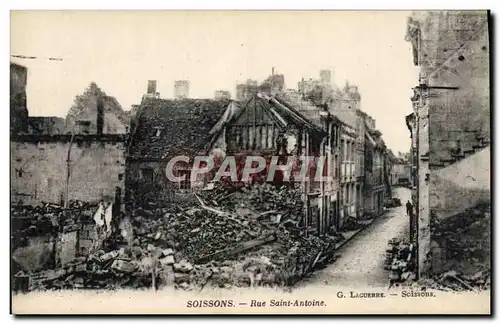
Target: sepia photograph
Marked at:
250, 162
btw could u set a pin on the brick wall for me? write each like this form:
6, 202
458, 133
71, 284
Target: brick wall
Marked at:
39, 168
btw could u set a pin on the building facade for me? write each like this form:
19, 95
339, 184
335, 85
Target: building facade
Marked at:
348, 184
450, 125
400, 172
375, 185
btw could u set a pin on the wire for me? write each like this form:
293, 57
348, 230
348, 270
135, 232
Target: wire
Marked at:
27, 57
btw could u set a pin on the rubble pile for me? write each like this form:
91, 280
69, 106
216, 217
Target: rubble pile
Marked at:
29, 221
455, 281
251, 236
351, 224
465, 239
400, 261
239, 237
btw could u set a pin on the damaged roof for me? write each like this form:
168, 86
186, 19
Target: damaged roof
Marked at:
165, 127
289, 113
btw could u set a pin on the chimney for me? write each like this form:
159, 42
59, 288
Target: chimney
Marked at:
100, 116
152, 87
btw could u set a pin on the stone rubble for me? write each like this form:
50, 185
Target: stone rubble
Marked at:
248, 237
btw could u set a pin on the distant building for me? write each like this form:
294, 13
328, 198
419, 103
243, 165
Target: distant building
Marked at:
181, 89
274, 84
321, 90
245, 91
222, 95
326, 76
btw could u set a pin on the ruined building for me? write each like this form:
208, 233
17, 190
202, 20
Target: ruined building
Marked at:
163, 129
18, 102
450, 127
58, 181
94, 112
255, 127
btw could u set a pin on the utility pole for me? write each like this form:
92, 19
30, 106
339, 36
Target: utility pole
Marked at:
68, 171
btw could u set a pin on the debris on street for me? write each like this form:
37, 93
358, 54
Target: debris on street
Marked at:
252, 236
400, 261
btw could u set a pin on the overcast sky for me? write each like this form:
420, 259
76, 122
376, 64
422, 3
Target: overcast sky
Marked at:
120, 51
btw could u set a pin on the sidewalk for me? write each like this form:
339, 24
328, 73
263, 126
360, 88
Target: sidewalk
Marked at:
350, 234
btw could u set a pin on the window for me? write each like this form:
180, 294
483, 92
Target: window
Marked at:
147, 174
313, 216
342, 150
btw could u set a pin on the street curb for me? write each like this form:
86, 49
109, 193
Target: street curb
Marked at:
339, 245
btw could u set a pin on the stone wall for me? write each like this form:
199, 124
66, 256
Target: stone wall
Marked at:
452, 111
39, 168
460, 109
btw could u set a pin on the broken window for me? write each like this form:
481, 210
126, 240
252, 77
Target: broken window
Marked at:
83, 126
147, 174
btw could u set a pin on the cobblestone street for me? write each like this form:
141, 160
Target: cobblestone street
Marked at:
361, 260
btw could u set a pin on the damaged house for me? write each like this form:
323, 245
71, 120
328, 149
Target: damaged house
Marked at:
162, 130
58, 183
262, 125
269, 126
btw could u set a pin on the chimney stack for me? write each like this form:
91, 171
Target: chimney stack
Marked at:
152, 87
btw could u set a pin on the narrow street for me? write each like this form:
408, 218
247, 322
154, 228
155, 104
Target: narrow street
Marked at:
361, 260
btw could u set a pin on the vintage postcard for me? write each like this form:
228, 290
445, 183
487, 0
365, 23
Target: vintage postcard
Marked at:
250, 162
